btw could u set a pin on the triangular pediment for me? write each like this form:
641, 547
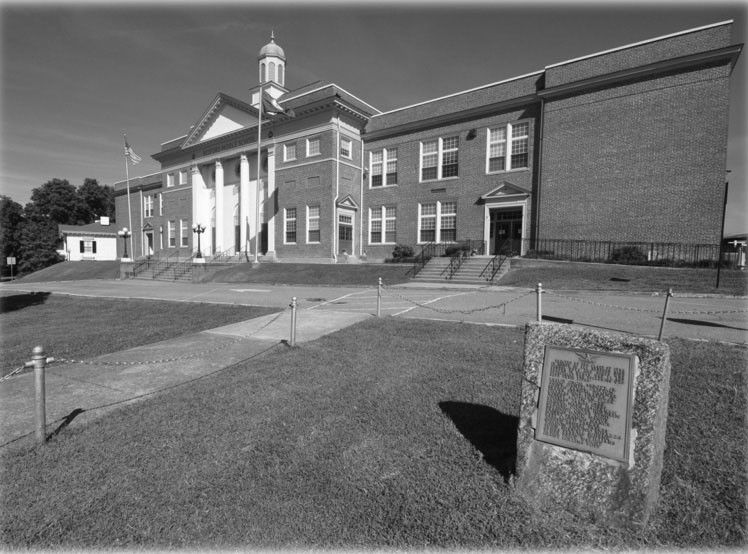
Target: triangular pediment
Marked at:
504, 190
147, 226
224, 115
347, 202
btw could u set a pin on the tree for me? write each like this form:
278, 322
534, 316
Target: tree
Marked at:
11, 216
98, 198
58, 201
38, 242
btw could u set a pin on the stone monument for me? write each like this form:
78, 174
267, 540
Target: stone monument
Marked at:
592, 422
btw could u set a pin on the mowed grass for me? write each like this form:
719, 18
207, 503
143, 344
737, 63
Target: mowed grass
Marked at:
626, 278
388, 434
80, 327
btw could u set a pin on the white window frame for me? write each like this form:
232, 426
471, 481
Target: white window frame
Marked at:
184, 237
148, 206
286, 221
161, 237
389, 155
437, 220
309, 219
170, 225
309, 142
349, 148
289, 152
383, 218
169, 180
440, 152
509, 143
160, 203
182, 176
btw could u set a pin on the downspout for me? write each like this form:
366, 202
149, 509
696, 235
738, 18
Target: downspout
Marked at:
337, 193
541, 133
142, 249
361, 202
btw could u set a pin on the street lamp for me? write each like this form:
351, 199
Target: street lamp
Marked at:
125, 234
198, 230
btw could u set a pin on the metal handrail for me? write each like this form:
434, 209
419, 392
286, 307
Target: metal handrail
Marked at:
494, 265
427, 252
454, 264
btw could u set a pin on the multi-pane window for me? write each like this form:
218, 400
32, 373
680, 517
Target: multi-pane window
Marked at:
148, 206
312, 223
160, 204
169, 179
88, 247
437, 222
183, 177
171, 227
383, 223
289, 152
508, 147
440, 158
346, 148
312, 147
184, 237
383, 167
290, 217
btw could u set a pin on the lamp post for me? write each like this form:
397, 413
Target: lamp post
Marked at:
125, 234
198, 230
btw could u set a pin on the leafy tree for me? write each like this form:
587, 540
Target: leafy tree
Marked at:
11, 216
58, 201
98, 198
38, 242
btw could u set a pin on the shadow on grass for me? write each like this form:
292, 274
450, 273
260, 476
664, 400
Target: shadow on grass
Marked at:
20, 301
494, 434
704, 323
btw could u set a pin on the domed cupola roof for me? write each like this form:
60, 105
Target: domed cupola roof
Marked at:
272, 49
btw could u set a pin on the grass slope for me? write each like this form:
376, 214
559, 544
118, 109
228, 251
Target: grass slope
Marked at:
389, 434
74, 271
313, 274
79, 327
579, 276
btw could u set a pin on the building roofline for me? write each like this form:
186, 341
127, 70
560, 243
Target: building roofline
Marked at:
328, 85
124, 181
640, 43
461, 92
175, 138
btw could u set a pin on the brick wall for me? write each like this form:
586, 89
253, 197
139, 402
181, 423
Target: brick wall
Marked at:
642, 161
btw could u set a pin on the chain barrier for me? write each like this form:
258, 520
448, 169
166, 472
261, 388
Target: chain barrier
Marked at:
443, 311
681, 312
12, 373
161, 361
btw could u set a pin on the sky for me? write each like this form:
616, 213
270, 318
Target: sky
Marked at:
76, 76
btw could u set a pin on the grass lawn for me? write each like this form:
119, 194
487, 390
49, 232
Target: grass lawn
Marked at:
78, 327
314, 274
75, 271
579, 276
390, 434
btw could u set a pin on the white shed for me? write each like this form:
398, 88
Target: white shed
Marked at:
95, 241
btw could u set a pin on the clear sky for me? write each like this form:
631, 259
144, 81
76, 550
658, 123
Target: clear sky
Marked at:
76, 76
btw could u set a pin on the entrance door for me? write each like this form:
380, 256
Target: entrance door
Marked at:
345, 234
149, 243
505, 233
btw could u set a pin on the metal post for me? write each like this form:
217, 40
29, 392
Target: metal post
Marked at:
722, 233
40, 420
539, 291
293, 322
379, 297
664, 313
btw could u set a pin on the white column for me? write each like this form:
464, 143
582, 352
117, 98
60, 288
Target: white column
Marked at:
271, 201
200, 209
244, 201
220, 215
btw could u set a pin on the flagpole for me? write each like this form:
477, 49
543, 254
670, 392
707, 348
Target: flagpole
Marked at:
258, 226
129, 208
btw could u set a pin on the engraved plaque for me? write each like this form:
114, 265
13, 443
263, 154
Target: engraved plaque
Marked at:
586, 401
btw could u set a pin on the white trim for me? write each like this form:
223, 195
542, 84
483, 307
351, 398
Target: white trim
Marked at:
509, 140
461, 92
285, 225
175, 138
314, 162
319, 224
318, 138
488, 206
640, 43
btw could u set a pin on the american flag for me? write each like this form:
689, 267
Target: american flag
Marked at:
134, 158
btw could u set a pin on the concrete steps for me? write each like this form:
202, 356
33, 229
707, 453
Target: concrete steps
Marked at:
469, 273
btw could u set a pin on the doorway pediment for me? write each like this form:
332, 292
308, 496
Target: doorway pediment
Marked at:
506, 191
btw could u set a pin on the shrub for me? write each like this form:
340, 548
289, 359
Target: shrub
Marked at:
628, 255
457, 249
403, 251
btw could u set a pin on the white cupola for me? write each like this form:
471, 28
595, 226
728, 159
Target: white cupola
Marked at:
272, 63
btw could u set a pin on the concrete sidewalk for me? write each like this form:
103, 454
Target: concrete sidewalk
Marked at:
126, 376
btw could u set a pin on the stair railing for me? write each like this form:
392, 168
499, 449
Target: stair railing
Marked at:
454, 264
423, 257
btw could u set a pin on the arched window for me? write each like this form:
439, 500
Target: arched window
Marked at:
262, 72
271, 72
280, 74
